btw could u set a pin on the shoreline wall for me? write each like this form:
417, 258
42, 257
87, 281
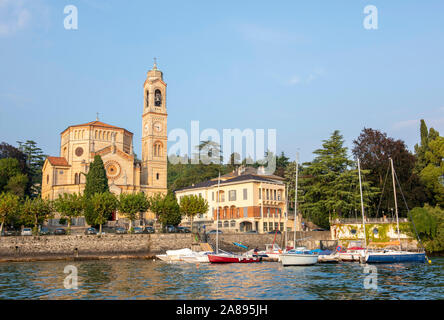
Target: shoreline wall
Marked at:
68, 247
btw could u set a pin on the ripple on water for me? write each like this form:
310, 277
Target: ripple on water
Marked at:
142, 279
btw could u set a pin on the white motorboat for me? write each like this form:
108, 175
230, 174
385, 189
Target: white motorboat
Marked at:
328, 258
184, 255
271, 252
352, 254
298, 257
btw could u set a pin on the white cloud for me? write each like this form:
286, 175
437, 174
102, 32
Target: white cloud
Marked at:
294, 80
406, 124
436, 123
315, 74
14, 16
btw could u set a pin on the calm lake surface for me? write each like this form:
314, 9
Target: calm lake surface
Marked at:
144, 279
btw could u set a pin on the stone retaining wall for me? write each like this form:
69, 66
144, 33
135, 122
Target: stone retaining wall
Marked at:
28, 247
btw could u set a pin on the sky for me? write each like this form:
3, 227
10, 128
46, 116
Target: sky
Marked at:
304, 68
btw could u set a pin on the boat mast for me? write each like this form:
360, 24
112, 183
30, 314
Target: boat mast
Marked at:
396, 202
217, 217
362, 205
286, 216
295, 200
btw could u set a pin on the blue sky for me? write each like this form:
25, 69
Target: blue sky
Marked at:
305, 68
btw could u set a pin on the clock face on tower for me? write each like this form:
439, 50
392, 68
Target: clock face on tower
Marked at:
157, 126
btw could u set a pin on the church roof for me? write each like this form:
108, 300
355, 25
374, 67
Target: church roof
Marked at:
58, 161
97, 123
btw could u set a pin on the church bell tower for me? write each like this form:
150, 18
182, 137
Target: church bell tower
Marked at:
154, 131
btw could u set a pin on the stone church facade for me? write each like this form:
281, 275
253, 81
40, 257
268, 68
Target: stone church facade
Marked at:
126, 174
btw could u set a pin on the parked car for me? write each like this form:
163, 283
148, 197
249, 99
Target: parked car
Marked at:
44, 231
148, 230
26, 232
274, 231
8, 233
91, 231
120, 230
170, 228
251, 231
138, 230
214, 231
183, 230
319, 229
59, 231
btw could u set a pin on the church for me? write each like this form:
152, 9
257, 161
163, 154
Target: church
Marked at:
126, 174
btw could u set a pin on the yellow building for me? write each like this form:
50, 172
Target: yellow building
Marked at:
80, 143
248, 200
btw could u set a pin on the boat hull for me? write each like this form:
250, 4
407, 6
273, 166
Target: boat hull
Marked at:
213, 258
328, 258
351, 256
298, 259
395, 257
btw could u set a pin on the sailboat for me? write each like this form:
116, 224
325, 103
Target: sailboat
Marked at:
356, 253
297, 256
395, 256
221, 256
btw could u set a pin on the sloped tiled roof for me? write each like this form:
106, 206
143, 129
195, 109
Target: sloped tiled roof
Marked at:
58, 161
97, 124
244, 177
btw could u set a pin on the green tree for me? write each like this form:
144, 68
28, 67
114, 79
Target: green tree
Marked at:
101, 205
132, 205
432, 175
374, 149
69, 205
9, 207
96, 179
36, 211
426, 136
35, 159
166, 208
11, 177
329, 183
429, 224
191, 205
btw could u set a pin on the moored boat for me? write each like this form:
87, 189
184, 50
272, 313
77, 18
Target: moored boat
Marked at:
352, 254
185, 255
232, 258
298, 257
392, 256
389, 256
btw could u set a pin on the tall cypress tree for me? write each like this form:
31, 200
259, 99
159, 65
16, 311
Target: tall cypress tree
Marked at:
96, 179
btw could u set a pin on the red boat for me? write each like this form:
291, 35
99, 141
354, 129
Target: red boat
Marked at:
231, 258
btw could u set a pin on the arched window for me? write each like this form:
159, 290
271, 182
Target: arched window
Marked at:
157, 98
157, 149
76, 178
157, 176
147, 98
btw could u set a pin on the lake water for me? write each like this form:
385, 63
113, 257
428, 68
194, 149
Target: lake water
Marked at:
146, 279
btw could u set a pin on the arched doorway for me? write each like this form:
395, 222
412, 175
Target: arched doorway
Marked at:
245, 226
